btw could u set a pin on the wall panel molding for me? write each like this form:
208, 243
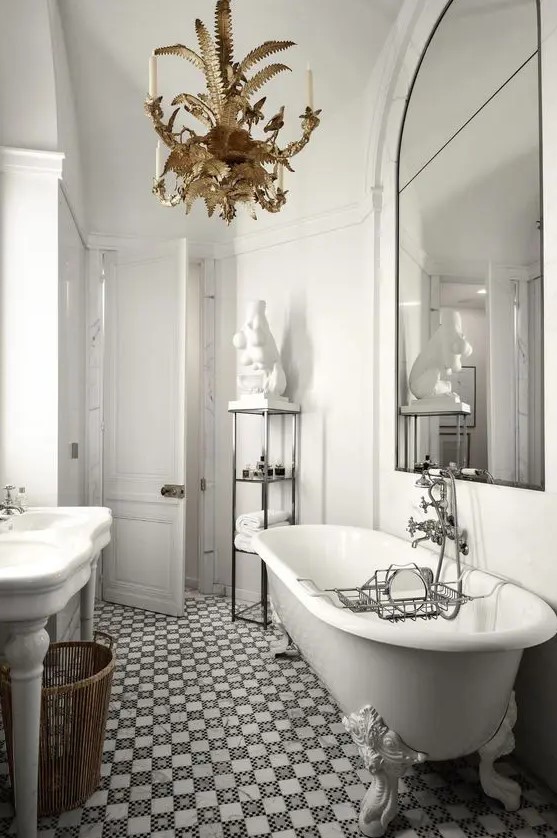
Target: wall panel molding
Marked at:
351, 215
32, 161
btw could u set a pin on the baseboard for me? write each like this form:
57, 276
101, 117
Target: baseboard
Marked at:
243, 594
153, 604
192, 582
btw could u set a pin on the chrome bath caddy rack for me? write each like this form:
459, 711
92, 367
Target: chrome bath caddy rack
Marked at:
402, 592
380, 596
409, 592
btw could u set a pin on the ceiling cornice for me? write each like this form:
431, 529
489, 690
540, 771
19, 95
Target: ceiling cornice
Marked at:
34, 161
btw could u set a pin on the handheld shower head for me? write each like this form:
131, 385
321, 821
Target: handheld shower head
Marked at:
423, 482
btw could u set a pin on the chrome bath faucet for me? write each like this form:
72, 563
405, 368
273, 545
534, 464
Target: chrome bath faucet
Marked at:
443, 527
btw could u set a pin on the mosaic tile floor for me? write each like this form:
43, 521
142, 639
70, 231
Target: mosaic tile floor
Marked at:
210, 737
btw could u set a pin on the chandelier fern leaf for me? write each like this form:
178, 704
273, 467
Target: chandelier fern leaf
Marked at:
226, 165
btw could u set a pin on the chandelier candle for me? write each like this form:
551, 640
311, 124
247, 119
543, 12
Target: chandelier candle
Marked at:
310, 87
225, 164
158, 166
153, 76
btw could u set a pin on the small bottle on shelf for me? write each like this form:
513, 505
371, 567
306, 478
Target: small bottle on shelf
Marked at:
280, 471
21, 498
246, 472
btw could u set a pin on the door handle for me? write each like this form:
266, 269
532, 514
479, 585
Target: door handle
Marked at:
173, 490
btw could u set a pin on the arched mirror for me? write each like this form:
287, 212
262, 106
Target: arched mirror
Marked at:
470, 273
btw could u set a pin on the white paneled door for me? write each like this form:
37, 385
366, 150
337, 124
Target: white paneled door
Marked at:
144, 427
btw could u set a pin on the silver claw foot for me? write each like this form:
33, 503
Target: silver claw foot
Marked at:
387, 757
494, 784
284, 647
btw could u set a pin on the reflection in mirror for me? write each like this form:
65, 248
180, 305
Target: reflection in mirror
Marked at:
470, 290
407, 583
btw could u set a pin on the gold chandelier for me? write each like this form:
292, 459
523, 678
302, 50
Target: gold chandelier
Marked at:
226, 165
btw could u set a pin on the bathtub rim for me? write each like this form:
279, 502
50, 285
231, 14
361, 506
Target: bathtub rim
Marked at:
382, 631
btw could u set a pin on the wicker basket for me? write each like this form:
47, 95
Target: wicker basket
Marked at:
74, 705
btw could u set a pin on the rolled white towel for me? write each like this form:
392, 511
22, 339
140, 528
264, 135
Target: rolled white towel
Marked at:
253, 521
242, 540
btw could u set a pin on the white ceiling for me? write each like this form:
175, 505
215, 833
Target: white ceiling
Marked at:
109, 42
457, 294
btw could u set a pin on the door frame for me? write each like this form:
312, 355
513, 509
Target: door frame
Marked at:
100, 249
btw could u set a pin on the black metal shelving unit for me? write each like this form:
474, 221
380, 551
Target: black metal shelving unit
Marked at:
266, 414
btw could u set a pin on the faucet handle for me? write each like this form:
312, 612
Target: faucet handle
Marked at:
424, 504
412, 526
462, 541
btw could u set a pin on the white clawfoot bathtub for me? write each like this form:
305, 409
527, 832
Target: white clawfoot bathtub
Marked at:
412, 690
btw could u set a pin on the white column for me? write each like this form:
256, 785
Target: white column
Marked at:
25, 650
29, 321
88, 602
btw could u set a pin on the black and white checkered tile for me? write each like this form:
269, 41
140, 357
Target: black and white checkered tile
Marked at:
210, 737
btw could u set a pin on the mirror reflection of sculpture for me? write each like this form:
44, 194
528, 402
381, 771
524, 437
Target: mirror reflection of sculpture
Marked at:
259, 354
442, 356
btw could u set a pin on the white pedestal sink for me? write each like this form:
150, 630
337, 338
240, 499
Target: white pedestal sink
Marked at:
39, 519
46, 556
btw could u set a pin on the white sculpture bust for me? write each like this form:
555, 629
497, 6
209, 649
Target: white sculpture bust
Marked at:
441, 357
259, 354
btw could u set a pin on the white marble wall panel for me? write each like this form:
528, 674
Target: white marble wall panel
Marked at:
96, 265
207, 569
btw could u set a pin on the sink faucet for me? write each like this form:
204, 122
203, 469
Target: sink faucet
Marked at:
8, 506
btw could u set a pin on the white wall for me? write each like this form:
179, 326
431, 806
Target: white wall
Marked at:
41, 355
71, 359
68, 139
29, 322
510, 530
319, 307
27, 86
